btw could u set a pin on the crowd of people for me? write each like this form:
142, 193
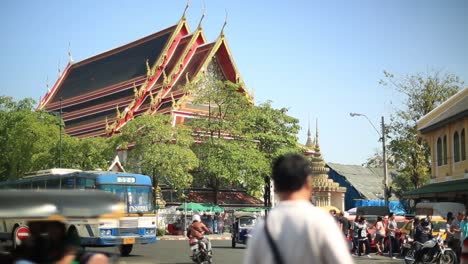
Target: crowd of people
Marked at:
421, 230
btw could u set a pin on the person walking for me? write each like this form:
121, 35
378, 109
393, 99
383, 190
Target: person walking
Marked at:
391, 233
379, 235
309, 237
354, 235
362, 237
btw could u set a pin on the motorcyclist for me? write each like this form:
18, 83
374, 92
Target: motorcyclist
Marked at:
197, 229
422, 235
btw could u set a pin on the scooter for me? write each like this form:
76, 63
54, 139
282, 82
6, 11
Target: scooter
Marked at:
200, 253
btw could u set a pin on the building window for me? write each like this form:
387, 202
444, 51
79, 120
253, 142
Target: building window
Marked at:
463, 145
445, 150
456, 147
439, 152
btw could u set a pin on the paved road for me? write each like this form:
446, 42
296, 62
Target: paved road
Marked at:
178, 252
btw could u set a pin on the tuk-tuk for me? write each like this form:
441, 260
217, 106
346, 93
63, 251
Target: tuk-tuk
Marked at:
43, 221
242, 226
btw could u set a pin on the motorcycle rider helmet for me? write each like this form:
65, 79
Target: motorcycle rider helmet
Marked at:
424, 222
196, 218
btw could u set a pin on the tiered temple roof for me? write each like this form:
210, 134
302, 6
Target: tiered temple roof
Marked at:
101, 94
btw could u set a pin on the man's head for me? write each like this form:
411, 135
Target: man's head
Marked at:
429, 217
291, 173
460, 216
391, 216
196, 218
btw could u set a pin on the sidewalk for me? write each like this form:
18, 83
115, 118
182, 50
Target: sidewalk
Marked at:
224, 236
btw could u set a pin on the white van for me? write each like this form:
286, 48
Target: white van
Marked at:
439, 209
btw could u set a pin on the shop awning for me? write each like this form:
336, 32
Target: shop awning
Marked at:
440, 189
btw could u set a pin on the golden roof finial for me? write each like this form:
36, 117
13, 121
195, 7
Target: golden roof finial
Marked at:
70, 59
224, 25
203, 15
310, 143
185, 10
316, 132
47, 84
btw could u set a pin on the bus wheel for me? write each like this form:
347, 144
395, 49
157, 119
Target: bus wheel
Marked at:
125, 250
19, 235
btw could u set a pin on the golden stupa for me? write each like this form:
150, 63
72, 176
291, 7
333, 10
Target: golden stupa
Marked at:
326, 192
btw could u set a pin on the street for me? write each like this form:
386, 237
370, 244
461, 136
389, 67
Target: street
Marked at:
178, 252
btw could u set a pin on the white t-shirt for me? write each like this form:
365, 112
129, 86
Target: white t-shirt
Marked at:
302, 233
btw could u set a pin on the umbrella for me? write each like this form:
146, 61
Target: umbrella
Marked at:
191, 207
252, 209
352, 211
213, 208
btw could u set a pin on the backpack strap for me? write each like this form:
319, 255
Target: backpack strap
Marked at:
276, 253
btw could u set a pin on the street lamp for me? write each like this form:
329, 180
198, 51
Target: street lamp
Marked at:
384, 154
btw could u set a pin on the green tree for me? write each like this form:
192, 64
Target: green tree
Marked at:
160, 150
422, 93
228, 155
27, 138
275, 133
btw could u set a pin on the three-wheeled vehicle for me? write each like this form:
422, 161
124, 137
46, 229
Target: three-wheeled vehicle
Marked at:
242, 227
42, 224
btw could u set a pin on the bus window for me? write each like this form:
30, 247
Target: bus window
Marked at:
38, 184
83, 183
24, 185
53, 184
68, 183
139, 199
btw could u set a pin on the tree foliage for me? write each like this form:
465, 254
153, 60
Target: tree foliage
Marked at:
422, 93
160, 150
228, 156
30, 141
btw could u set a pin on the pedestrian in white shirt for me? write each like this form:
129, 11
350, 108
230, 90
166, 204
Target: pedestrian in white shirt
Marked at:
295, 231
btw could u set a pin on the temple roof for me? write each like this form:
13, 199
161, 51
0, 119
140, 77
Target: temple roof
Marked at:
101, 94
112, 67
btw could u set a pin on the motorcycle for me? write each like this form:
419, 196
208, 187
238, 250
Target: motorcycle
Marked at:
406, 246
432, 251
200, 253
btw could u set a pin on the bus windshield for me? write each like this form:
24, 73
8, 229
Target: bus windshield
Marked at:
137, 199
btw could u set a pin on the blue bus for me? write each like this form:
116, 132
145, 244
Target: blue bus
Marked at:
137, 226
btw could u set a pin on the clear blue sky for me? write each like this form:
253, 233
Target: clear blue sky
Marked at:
320, 59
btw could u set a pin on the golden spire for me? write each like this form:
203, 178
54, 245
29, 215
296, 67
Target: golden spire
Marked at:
185, 10
224, 25
203, 15
47, 84
316, 133
70, 59
309, 143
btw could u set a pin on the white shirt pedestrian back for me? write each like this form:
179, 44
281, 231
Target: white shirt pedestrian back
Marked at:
302, 234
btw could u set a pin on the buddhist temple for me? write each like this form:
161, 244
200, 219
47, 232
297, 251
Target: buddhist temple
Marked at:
100, 94
325, 192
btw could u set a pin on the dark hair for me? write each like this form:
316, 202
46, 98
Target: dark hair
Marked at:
290, 172
379, 218
449, 215
390, 215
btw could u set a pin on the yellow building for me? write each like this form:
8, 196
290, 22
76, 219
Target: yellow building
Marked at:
445, 130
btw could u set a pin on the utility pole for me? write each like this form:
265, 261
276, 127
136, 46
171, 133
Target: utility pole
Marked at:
384, 154
60, 124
